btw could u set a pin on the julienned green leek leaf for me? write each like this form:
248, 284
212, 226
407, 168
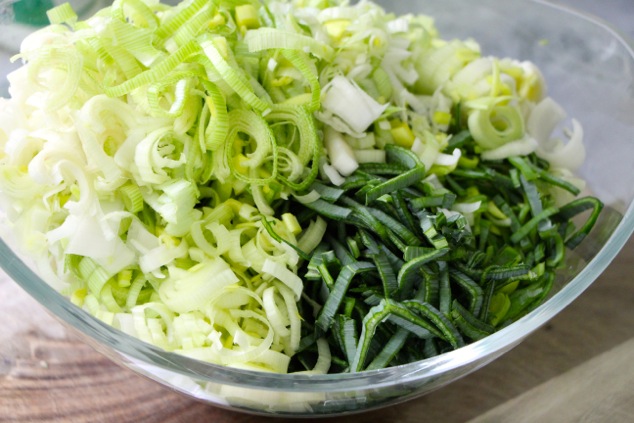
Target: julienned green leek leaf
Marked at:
437, 274
336, 295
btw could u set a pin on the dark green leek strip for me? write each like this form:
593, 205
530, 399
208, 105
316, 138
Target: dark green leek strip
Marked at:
431, 291
307, 341
349, 305
427, 225
532, 224
448, 200
439, 242
329, 210
378, 314
360, 194
474, 273
547, 285
317, 258
458, 140
340, 229
557, 251
523, 299
369, 242
372, 298
532, 195
472, 174
430, 348
403, 180
342, 253
358, 179
477, 259
486, 301
395, 260
347, 331
402, 156
395, 226
353, 246
412, 252
375, 316
381, 337
471, 326
387, 274
455, 186
328, 193
529, 172
500, 180
497, 273
328, 311
386, 204
409, 273
403, 212
364, 217
546, 176
558, 182
508, 212
429, 231
326, 277
321, 267
578, 206
523, 211
515, 177
457, 123
449, 331
471, 287
484, 227
387, 354
383, 168
445, 297
507, 256
539, 252
429, 201
412, 324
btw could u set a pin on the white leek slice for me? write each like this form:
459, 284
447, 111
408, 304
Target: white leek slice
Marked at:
521, 147
193, 289
346, 100
542, 121
449, 160
287, 277
340, 153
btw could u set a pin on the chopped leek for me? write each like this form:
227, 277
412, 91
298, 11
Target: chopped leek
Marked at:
287, 185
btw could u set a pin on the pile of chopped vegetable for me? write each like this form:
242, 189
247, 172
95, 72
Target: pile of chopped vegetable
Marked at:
302, 185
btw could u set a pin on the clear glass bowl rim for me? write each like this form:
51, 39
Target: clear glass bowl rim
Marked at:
101, 335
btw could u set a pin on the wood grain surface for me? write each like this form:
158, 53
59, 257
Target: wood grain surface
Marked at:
576, 368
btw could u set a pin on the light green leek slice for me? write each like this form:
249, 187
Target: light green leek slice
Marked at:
273, 38
496, 125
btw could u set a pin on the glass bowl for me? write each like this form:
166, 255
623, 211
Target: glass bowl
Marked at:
589, 68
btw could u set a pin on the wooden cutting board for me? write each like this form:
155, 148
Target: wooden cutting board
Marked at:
577, 368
